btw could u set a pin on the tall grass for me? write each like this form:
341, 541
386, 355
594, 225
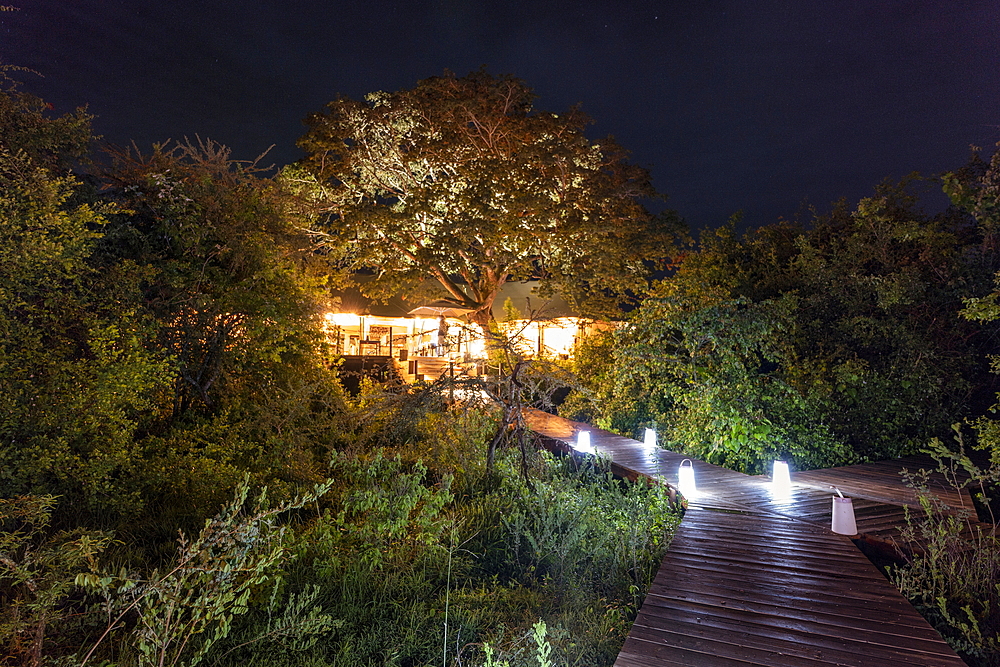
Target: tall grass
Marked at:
413, 552
428, 564
953, 574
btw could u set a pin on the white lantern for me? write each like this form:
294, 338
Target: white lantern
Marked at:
650, 439
843, 516
583, 442
780, 478
685, 479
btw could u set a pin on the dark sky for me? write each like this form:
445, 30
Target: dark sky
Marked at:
731, 104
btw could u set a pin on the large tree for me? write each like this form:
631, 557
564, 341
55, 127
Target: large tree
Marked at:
459, 181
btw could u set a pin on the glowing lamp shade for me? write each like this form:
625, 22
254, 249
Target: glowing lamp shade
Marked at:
685, 479
780, 477
650, 439
583, 442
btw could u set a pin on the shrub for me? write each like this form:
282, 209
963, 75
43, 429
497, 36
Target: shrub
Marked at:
953, 578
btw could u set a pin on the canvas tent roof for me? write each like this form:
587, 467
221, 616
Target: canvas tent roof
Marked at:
522, 298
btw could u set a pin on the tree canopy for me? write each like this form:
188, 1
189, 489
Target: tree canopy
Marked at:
152, 332
460, 181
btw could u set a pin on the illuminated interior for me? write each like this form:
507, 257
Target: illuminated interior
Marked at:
554, 338
419, 349
422, 347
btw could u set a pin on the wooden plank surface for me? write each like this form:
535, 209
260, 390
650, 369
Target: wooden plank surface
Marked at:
883, 481
762, 589
755, 577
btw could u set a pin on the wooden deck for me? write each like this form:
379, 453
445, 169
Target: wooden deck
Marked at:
757, 578
882, 481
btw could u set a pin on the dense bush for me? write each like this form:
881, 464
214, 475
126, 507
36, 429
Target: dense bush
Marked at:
953, 577
162, 354
829, 344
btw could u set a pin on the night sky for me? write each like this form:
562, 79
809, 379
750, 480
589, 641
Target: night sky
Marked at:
758, 106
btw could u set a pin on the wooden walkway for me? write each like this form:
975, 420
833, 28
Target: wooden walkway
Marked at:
757, 578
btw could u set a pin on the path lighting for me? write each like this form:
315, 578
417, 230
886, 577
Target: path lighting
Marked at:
843, 515
780, 477
583, 442
685, 479
650, 439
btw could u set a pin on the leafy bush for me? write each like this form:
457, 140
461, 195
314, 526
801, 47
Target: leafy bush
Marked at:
582, 530
829, 344
410, 574
38, 570
162, 351
176, 617
953, 578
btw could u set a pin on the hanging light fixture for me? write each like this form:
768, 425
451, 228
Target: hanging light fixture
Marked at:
685, 479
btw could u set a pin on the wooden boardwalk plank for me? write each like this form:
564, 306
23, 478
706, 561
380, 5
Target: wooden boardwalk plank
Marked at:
727, 589
754, 577
884, 482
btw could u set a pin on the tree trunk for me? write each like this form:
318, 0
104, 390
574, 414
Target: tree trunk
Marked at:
484, 318
35, 660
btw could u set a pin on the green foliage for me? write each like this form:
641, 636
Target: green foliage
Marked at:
38, 570
459, 182
439, 432
953, 577
389, 507
50, 143
828, 345
394, 552
230, 285
182, 613
79, 379
161, 350
580, 529
542, 652
293, 624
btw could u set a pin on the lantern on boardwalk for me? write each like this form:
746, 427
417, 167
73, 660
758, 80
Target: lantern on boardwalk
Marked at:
685, 479
780, 478
843, 515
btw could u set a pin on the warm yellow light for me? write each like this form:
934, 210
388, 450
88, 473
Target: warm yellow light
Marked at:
547, 338
344, 319
477, 348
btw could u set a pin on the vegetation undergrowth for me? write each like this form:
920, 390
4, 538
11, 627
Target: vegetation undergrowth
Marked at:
953, 573
164, 355
416, 571
390, 562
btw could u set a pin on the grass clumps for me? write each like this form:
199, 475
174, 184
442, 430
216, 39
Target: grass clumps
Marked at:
410, 553
953, 573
